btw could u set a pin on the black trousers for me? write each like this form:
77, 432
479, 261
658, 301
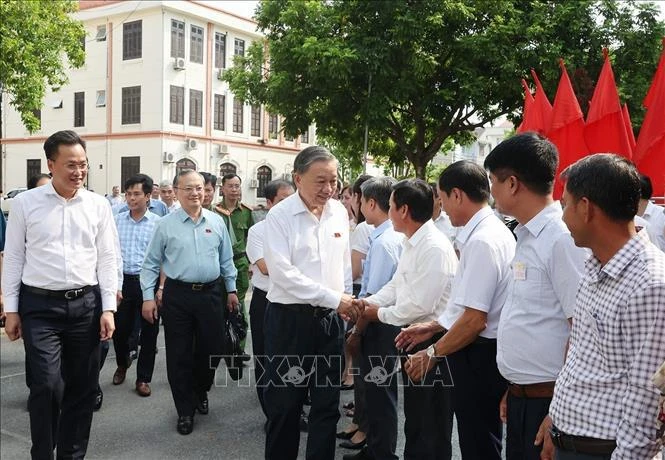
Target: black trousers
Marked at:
378, 368
191, 316
428, 413
61, 340
125, 319
257, 311
477, 392
524, 418
304, 351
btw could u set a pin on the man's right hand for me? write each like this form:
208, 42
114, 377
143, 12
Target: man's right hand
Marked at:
503, 408
149, 311
13, 326
413, 335
349, 308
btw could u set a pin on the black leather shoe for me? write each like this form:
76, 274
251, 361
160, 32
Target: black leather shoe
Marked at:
346, 434
202, 407
362, 455
99, 399
353, 445
185, 424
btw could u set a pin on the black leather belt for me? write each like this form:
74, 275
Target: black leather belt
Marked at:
582, 444
317, 312
68, 294
194, 286
239, 256
127, 276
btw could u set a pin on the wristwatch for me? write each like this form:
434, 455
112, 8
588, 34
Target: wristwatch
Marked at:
431, 352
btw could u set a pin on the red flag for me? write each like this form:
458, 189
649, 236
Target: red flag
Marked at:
605, 130
658, 77
650, 149
527, 120
567, 128
629, 127
541, 107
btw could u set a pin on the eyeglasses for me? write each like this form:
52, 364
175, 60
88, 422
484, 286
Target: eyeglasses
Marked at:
76, 166
197, 189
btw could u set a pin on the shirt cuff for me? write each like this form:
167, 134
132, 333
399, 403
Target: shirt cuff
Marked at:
109, 302
230, 285
10, 304
148, 294
331, 299
381, 314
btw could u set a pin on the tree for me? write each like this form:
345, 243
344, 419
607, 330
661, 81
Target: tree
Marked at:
420, 72
37, 39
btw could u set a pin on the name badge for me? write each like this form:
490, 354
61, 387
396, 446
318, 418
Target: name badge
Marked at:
519, 271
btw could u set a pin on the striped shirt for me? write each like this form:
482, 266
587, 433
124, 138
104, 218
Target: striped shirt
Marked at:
134, 238
617, 342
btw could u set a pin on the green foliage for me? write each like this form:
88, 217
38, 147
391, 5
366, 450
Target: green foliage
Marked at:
421, 72
34, 37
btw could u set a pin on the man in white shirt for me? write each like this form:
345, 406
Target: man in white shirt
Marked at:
167, 194
471, 318
440, 217
419, 292
307, 255
605, 402
534, 325
275, 191
60, 280
653, 214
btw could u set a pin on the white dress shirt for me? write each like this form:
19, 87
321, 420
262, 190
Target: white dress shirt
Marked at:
58, 244
533, 329
309, 259
254, 250
487, 248
445, 226
420, 288
655, 216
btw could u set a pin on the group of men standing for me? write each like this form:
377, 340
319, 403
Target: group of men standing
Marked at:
530, 329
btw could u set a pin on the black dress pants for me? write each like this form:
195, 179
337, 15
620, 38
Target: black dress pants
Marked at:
61, 340
191, 316
524, 418
304, 351
125, 318
477, 392
257, 311
428, 413
378, 368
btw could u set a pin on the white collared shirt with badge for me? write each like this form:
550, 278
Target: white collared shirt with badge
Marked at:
309, 259
420, 288
533, 329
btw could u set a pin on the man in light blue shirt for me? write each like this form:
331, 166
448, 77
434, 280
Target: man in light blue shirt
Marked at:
135, 230
155, 207
376, 340
193, 249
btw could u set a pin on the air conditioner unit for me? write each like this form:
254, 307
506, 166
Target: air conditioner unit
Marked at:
253, 183
192, 144
179, 64
220, 74
168, 157
223, 149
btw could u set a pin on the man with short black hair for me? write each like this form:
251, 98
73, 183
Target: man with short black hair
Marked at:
534, 326
135, 230
209, 189
59, 282
604, 401
472, 315
411, 297
193, 249
654, 215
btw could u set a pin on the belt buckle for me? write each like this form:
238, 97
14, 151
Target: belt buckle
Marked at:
197, 286
72, 294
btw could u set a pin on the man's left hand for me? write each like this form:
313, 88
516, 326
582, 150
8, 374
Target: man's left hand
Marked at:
232, 302
418, 365
106, 326
543, 437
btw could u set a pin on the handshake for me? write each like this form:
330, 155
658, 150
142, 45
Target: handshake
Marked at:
351, 309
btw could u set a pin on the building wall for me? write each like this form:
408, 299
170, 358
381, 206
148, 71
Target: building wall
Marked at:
158, 142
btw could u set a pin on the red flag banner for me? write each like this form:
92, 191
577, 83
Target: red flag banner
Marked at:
527, 113
542, 109
629, 127
605, 130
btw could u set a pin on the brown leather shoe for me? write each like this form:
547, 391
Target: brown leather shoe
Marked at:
119, 375
143, 389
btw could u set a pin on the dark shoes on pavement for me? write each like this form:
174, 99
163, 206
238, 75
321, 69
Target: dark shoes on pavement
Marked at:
202, 406
119, 375
143, 389
185, 424
99, 399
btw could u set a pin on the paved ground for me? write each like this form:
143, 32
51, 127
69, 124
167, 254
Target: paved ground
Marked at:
131, 427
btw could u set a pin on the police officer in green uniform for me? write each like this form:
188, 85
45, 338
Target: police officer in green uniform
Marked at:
238, 218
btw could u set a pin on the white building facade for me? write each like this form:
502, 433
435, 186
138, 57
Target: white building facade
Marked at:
149, 99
